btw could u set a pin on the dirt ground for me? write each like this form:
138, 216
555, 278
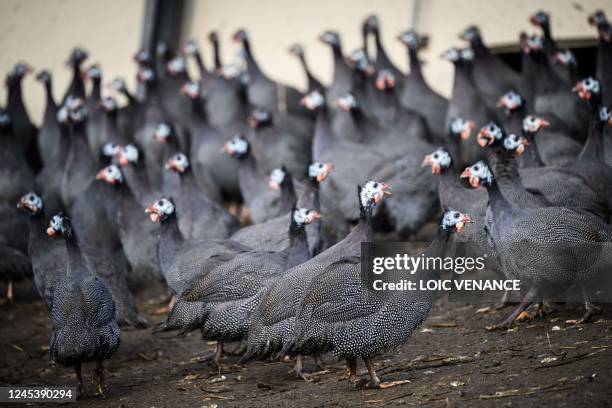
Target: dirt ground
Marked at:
450, 361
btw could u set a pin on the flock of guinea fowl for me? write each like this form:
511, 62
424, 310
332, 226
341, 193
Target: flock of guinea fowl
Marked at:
251, 200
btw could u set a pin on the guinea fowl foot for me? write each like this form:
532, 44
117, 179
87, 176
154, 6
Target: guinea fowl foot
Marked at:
518, 312
165, 309
524, 316
375, 382
591, 311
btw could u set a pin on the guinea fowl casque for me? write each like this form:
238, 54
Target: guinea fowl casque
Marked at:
341, 314
235, 288
83, 312
272, 325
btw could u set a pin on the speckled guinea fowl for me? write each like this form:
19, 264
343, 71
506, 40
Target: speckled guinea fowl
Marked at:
542, 19
15, 174
416, 94
77, 85
313, 83
180, 260
272, 326
548, 249
270, 235
83, 312
200, 218
262, 91
262, 202
339, 313
235, 288
49, 265
279, 139
382, 62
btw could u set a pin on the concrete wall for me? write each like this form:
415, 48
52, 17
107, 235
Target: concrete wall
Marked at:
275, 24
43, 32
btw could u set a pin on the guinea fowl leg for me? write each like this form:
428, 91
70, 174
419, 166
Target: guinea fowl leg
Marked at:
507, 323
375, 381
351, 366
9, 292
298, 367
591, 310
99, 378
82, 393
319, 362
218, 353
165, 309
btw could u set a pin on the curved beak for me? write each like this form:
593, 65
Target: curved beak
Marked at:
582, 91
467, 132
274, 185
312, 216
484, 139
466, 173
328, 169
100, 175
50, 232
428, 161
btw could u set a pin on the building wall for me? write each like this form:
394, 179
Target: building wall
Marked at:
43, 32
275, 24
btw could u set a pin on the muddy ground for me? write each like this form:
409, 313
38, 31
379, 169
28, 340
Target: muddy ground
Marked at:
451, 361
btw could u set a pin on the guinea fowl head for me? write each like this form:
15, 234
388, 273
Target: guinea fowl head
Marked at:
347, 103
370, 195
110, 174
109, 104
533, 124
178, 163
190, 47
77, 112
77, 56
412, 40
176, 66
143, 57
313, 101
599, 20
128, 154
160, 210
471, 34
109, 150
30, 202
511, 101
60, 226
296, 50
44, 76
191, 89
163, 132
489, 135
540, 19
330, 38
588, 89
385, 80
62, 116
319, 171
454, 221
259, 118
145, 75
604, 116
458, 55
93, 72
213, 37
278, 177
371, 24
439, 160
230, 71
240, 36
19, 71
515, 143
118, 85
566, 58
531, 44
303, 216
461, 128
478, 174
237, 147
358, 60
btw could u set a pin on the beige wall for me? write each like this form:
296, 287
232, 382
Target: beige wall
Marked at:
275, 24
42, 33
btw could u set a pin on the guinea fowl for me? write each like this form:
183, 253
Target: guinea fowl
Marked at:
553, 101
313, 83
79, 166
279, 139
270, 235
130, 158
174, 104
264, 92
547, 249
253, 185
95, 110
190, 48
83, 312
213, 171
542, 20
604, 54
340, 313
49, 262
567, 60
23, 128
49, 134
213, 37
235, 288
465, 101
201, 218
273, 324
128, 114
416, 94
77, 86
492, 77
180, 260
111, 132
382, 61
15, 174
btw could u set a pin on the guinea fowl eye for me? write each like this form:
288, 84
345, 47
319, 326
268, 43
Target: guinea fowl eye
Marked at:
475, 168
160, 203
435, 155
375, 185
456, 215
